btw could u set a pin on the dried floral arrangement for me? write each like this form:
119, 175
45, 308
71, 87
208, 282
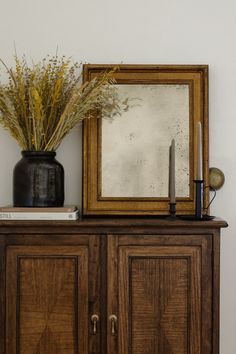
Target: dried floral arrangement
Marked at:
41, 103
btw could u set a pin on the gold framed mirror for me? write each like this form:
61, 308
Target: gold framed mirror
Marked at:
125, 161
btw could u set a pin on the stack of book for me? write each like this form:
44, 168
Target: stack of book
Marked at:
37, 213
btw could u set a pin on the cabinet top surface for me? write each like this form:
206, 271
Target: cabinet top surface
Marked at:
110, 222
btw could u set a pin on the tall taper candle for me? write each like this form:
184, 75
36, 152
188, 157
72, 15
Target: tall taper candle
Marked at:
172, 172
199, 152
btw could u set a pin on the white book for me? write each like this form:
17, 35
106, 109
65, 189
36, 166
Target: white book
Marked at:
39, 215
12, 209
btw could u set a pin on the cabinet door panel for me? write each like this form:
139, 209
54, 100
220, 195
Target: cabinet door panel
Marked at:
161, 289
159, 309
47, 300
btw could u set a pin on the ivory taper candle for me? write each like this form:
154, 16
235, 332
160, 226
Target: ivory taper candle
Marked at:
199, 152
172, 172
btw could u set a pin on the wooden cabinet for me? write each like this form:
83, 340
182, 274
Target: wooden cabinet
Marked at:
116, 286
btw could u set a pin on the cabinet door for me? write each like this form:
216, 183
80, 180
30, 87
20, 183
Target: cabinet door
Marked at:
47, 299
162, 285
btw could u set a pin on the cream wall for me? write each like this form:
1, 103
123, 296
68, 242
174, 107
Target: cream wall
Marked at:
135, 31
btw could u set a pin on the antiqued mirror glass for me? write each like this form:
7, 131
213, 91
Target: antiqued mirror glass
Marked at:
135, 146
126, 161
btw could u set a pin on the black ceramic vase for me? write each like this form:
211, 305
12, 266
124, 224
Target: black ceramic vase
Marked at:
38, 180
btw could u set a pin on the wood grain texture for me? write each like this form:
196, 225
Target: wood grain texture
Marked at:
157, 285
94, 293
49, 301
216, 297
47, 297
159, 301
105, 225
112, 294
2, 295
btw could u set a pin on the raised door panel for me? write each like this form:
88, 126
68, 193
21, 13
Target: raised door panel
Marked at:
156, 287
159, 309
47, 300
160, 295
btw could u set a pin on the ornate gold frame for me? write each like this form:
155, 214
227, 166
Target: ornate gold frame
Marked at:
197, 77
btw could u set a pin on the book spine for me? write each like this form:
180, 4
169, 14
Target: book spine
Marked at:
38, 210
39, 216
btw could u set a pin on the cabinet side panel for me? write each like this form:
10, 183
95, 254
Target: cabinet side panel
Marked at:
216, 292
2, 295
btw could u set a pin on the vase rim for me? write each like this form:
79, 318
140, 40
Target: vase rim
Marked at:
33, 153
